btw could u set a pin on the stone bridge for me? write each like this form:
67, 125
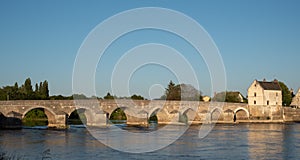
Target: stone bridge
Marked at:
138, 112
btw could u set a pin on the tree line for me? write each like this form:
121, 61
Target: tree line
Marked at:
172, 92
189, 93
181, 92
134, 97
25, 91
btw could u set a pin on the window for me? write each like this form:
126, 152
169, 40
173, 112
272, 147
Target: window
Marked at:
276, 94
254, 102
254, 94
268, 102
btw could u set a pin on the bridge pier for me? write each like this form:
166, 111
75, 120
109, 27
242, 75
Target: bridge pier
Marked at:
11, 121
138, 119
59, 121
97, 120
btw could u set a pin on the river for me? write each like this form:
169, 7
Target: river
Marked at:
241, 141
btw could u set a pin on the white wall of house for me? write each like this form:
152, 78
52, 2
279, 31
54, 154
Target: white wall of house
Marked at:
258, 96
255, 94
274, 97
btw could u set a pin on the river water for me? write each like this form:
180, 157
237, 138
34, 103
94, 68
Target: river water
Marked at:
242, 141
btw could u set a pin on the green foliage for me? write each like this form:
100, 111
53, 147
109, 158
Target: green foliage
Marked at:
232, 97
153, 118
60, 97
108, 96
25, 92
173, 92
219, 97
35, 114
286, 94
137, 97
77, 117
118, 114
28, 86
79, 96
35, 117
181, 92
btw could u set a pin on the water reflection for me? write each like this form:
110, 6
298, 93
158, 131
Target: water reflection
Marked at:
265, 141
32, 123
243, 141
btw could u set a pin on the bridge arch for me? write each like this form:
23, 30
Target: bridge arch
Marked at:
154, 113
187, 110
88, 113
241, 108
48, 112
236, 117
110, 110
75, 116
119, 115
189, 114
214, 116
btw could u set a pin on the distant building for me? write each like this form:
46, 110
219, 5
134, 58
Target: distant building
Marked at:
229, 96
236, 95
296, 100
265, 93
206, 98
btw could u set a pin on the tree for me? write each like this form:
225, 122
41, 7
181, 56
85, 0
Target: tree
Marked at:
79, 96
189, 93
28, 86
36, 88
173, 92
108, 96
286, 94
25, 92
137, 97
16, 86
219, 97
232, 97
184, 92
41, 87
45, 92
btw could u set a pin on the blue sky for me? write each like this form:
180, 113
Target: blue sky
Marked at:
257, 39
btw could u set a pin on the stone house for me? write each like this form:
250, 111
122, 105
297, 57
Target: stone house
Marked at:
206, 98
265, 93
296, 100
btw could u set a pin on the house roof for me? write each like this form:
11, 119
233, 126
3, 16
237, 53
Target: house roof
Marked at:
234, 93
274, 85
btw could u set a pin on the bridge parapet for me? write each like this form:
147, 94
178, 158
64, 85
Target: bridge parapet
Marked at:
139, 111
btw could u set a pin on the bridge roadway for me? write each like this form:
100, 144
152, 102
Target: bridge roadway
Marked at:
138, 112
